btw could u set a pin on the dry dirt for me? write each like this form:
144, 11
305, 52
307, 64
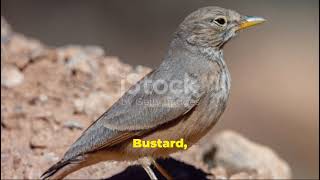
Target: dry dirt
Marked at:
50, 95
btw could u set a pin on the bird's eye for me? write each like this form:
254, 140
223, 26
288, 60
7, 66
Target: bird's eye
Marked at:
220, 21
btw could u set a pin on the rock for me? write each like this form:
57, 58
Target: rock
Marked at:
237, 154
219, 173
242, 175
18, 109
142, 70
39, 125
95, 104
228, 155
43, 98
10, 123
94, 51
11, 76
39, 140
22, 50
79, 62
78, 105
45, 115
80, 59
132, 78
3, 57
114, 69
71, 124
11, 116
51, 157
5, 31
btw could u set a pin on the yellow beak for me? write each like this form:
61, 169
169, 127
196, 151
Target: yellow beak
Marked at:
249, 21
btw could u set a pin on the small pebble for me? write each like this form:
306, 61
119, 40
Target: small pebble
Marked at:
71, 124
38, 141
52, 157
11, 77
78, 105
43, 98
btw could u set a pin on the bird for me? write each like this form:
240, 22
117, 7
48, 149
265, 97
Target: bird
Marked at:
183, 98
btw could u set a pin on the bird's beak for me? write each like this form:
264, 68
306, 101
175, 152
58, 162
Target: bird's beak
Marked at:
249, 21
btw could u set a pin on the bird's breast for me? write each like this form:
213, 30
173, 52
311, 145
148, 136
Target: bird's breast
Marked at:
214, 102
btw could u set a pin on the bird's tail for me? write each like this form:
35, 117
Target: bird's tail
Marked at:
65, 167
60, 169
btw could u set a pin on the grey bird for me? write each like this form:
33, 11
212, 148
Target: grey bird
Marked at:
183, 98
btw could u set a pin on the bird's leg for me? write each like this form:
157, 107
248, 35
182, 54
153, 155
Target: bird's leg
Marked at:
161, 169
145, 163
149, 171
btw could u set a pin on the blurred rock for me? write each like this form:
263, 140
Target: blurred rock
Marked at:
51, 157
71, 124
5, 30
43, 98
21, 50
96, 103
10, 123
80, 59
132, 78
238, 154
242, 175
219, 172
39, 140
115, 69
45, 115
228, 155
78, 105
39, 125
11, 76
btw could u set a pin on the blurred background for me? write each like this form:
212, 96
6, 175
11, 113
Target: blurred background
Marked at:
274, 67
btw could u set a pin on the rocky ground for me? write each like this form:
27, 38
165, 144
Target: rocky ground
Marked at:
50, 95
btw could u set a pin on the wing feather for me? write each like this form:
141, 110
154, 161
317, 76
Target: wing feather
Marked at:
135, 113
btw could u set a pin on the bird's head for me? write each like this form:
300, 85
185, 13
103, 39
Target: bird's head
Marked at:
212, 27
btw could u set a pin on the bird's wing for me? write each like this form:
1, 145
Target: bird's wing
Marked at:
153, 101
135, 113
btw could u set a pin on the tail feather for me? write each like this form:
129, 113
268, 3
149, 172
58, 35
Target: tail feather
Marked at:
61, 169
67, 166
53, 169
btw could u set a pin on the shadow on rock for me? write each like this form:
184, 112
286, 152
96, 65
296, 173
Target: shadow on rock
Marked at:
177, 170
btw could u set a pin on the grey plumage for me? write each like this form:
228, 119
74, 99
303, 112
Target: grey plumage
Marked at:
194, 57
